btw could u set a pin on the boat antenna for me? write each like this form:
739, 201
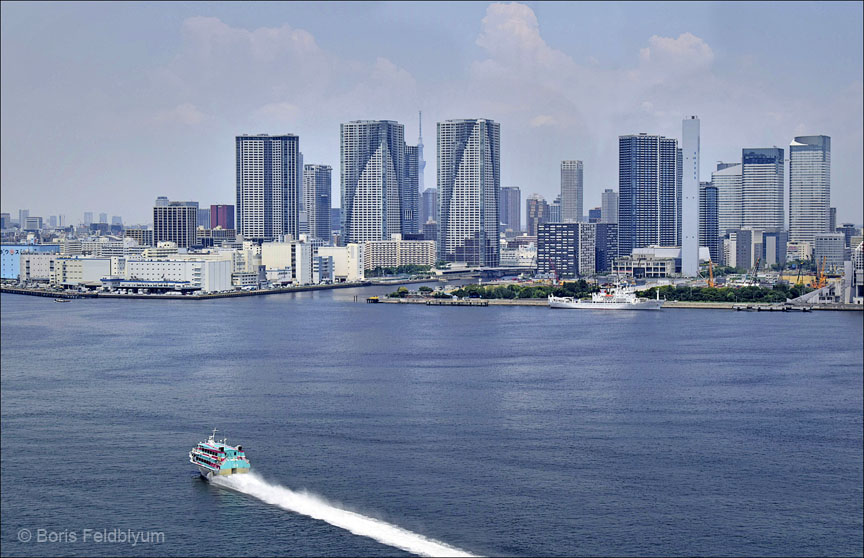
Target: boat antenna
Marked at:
213, 436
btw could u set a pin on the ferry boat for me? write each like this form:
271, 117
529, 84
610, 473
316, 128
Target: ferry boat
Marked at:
217, 458
617, 298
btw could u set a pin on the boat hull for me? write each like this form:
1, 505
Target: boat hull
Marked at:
208, 474
581, 305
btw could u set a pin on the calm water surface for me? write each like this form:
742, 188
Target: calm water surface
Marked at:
501, 431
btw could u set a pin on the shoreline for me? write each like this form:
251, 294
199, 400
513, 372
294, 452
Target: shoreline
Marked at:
667, 304
262, 292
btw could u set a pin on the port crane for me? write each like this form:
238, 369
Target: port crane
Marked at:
754, 271
821, 280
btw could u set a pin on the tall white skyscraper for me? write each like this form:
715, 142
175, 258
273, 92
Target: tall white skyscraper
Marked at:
469, 182
809, 187
316, 199
267, 189
690, 197
421, 162
373, 167
727, 180
762, 188
609, 206
571, 191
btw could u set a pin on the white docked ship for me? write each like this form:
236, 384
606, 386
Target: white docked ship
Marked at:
617, 298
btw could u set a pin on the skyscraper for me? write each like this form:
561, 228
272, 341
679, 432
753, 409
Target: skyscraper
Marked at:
103, 218
429, 206
649, 190
809, 187
511, 208
316, 199
727, 180
536, 213
709, 229
88, 218
373, 167
762, 188
411, 191
690, 197
175, 221
24, 213
469, 181
555, 210
222, 215
421, 162
204, 218
609, 206
267, 189
571, 191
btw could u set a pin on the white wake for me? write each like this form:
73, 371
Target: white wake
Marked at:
316, 507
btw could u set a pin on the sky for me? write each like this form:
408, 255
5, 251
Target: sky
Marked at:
106, 106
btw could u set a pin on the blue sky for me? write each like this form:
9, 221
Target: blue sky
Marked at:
107, 105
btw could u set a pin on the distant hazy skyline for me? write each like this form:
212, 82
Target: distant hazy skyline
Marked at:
107, 105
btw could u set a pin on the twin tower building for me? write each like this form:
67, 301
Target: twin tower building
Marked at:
380, 185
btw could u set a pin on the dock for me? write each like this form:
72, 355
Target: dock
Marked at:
445, 302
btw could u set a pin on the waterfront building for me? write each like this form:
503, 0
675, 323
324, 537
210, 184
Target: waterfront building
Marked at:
75, 270
348, 261
316, 199
511, 209
536, 213
829, 251
856, 286
268, 171
175, 221
762, 188
222, 215
727, 179
103, 218
566, 250
690, 197
832, 218
52, 221
116, 221
10, 256
642, 266
37, 267
396, 252
5, 221
709, 226
288, 261
609, 206
649, 187
809, 187
606, 246
373, 169
571, 192
162, 250
595, 215
322, 270
469, 181
429, 206
199, 274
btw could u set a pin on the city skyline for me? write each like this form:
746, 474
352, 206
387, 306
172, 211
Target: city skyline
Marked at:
574, 97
